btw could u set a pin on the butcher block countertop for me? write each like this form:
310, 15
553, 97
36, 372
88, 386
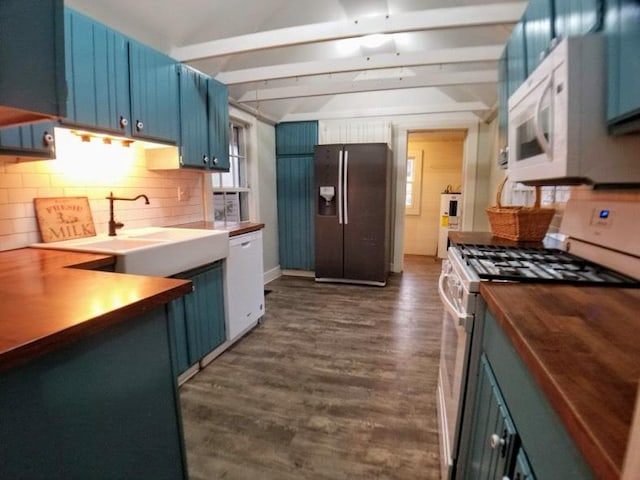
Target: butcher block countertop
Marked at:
50, 298
233, 228
582, 346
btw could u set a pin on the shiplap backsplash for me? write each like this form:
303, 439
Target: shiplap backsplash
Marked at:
93, 170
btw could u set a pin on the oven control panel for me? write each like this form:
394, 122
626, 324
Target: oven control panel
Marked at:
610, 224
602, 217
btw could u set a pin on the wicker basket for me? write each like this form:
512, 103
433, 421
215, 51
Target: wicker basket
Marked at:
522, 224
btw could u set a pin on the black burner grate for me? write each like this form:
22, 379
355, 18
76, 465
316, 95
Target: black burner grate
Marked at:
525, 264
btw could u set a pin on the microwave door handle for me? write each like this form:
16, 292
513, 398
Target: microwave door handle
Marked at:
463, 318
542, 140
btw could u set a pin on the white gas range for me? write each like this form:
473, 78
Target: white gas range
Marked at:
601, 247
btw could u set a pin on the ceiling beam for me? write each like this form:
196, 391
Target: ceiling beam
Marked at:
334, 88
437, 18
472, 107
323, 67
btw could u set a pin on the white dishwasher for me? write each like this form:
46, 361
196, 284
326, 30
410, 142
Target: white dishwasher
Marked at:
245, 284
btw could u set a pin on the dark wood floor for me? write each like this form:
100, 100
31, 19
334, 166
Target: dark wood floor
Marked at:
338, 382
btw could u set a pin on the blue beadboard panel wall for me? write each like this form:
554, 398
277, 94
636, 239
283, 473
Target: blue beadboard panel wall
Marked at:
296, 138
296, 212
295, 142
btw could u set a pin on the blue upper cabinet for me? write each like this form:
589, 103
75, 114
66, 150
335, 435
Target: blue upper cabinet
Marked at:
622, 29
516, 58
538, 31
97, 70
576, 17
194, 136
34, 140
218, 124
32, 83
204, 121
154, 94
503, 108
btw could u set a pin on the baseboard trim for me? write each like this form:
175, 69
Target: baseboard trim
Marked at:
299, 273
271, 275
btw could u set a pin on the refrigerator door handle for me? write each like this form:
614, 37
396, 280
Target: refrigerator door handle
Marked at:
346, 198
340, 187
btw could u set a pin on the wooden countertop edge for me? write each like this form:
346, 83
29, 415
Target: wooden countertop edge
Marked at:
233, 229
40, 346
588, 444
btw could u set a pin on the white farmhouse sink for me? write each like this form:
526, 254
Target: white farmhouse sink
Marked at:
156, 251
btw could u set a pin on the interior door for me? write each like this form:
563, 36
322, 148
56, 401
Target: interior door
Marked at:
366, 215
329, 230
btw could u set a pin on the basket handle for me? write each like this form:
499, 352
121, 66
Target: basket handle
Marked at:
499, 192
536, 203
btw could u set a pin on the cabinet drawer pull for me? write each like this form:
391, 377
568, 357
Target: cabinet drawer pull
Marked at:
496, 441
47, 139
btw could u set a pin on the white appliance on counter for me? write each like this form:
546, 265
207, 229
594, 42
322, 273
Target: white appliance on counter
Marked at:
557, 122
601, 248
450, 219
245, 284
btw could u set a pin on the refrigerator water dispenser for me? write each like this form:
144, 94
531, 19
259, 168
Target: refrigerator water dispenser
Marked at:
328, 206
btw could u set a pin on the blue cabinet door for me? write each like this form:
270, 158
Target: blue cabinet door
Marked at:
97, 71
576, 17
153, 87
622, 29
516, 58
199, 317
538, 31
503, 109
32, 60
194, 135
34, 140
494, 440
218, 125
177, 322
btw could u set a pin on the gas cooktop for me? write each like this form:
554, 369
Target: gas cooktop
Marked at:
541, 265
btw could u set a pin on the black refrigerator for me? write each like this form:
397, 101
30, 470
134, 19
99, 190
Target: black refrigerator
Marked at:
353, 213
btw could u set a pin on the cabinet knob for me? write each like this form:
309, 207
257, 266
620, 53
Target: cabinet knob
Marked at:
215, 160
47, 139
205, 160
139, 125
123, 122
496, 441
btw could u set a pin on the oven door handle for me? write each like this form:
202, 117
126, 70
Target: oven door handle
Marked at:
464, 319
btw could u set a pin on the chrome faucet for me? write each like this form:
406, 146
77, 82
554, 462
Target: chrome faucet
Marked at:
113, 225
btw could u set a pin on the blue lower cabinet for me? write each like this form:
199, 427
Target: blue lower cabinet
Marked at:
505, 384
104, 407
494, 441
34, 140
198, 319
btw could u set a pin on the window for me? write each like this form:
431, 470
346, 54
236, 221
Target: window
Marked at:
414, 186
231, 189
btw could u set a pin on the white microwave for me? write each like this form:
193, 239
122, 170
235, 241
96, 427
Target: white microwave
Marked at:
557, 123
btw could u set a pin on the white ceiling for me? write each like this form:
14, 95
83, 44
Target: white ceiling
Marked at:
304, 59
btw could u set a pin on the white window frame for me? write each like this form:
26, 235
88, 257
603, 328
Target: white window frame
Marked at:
414, 182
240, 186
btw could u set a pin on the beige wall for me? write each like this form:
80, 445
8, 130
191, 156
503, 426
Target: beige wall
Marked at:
93, 170
441, 166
